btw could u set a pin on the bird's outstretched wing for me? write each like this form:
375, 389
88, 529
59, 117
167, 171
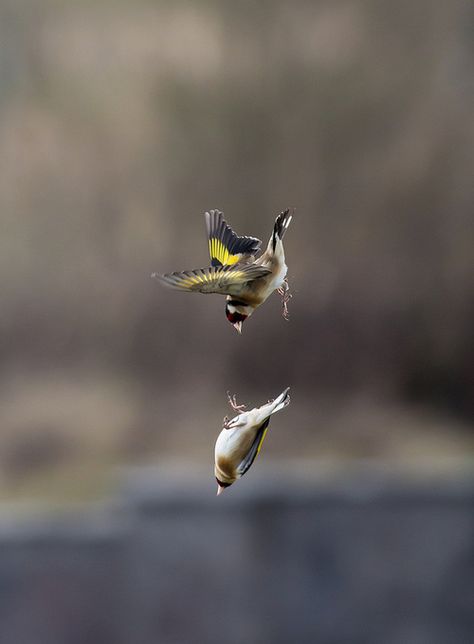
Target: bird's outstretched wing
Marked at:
225, 247
226, 280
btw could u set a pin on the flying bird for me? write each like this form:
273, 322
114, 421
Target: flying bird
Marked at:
236, 271
241, 439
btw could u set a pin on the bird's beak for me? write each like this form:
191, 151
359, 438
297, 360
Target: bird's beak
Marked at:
220, 489
238, 326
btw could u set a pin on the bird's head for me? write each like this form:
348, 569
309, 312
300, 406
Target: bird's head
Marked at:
221, 486
237, 313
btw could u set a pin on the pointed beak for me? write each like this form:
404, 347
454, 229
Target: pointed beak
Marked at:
220, 489
238, 326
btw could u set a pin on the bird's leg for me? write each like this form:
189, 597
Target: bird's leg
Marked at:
286, 296
233, 403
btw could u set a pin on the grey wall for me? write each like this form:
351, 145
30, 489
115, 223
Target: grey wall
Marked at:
364, 560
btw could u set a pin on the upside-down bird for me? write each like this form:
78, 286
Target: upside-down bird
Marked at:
241, 439
236, 271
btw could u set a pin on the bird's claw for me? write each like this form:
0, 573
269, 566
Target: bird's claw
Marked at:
286, 296
233, 403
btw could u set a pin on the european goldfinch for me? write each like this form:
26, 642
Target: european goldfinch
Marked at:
236, 272
241, 439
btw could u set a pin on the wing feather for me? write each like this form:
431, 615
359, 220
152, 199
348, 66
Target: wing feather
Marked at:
247, 461
226, 280
225, 246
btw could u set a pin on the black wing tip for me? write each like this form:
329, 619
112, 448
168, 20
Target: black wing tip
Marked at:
214, 217
246, 245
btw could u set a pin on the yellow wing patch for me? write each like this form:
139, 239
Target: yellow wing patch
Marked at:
225, 247
262, 439
218, 251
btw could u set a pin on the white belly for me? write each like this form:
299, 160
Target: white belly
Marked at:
277, 278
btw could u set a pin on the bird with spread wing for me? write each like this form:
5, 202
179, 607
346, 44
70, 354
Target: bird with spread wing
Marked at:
236, 271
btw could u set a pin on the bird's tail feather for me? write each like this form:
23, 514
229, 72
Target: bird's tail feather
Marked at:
281, 226
282, 401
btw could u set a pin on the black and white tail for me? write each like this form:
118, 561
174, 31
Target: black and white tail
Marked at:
281, 226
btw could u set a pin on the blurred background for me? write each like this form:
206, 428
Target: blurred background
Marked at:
120, 124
